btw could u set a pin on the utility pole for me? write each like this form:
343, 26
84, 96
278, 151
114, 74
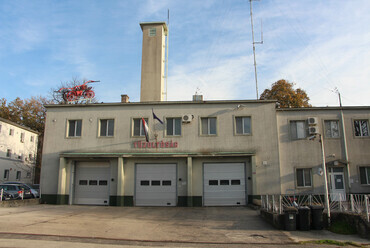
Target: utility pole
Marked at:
327, 203
254, 48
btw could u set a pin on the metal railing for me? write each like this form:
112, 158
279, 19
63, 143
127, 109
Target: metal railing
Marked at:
351, 203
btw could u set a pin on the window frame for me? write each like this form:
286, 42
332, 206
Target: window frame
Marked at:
9, 153
141, 128
106, 131
23, 135
331, 132
18, 176
6, 174
174, 126
250, 125
291, 131
76, 121
354, 128
367, 176
208, 126
303, 174
11, 132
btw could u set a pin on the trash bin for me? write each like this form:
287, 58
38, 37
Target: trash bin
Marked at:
304, 218
317, 217
290, 219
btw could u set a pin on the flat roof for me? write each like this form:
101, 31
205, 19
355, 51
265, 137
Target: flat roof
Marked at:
161, 103
153, 24
325, 108
19, 126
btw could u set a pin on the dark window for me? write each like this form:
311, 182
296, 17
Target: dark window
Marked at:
107, 127
139, 127
82, 182
224, 182
166, 183
103, 182
213, 182
156, 183
9, 153
243, 125
75, 127
31, 139
144, 183
365, 175
235, 182
361, 128
304, 177
22, 137
18, 175
11, 132
6, 174
93, 182
209, 126
298, 129
173, 126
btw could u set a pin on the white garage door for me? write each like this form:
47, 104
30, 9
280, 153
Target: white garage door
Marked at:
92, 183
224, 184
155, 185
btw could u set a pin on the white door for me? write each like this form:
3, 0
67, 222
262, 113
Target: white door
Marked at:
155, 185
92, 183
337, 184
224, 184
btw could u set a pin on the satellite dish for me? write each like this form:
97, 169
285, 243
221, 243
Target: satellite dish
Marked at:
320, 172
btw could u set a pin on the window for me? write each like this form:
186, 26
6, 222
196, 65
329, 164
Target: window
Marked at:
173, 126
166, 183
0, 128
28, 175
213, 182
208, 126
144, 182
243, 125
298, 129
138, 127
11, 132
224, 182
74, 128
156, 183
93, 182
332, 129
22, 137
18, 176
303, 177
82, 182
30, 156
6, 174
8, 153
361, 128
107, 127
31, 138
103, 182
235, 182
365, 175
152, 32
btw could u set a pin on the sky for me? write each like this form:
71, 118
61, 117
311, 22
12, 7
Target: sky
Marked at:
318, 45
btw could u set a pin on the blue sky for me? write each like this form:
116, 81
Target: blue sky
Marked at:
318, 45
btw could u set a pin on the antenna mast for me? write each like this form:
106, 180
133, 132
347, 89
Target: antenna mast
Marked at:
254, 48
168, 34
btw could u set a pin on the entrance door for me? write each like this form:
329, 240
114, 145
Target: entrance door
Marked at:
337, 184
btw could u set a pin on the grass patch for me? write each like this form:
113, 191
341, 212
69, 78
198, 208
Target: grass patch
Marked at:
342, 227
331, 242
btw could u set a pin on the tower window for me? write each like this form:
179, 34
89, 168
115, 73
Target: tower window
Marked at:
152, 32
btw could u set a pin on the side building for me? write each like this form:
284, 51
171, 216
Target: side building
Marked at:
18, 150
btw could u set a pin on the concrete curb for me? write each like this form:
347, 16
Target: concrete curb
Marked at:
19, 203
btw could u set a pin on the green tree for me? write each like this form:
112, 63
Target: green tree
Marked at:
287, 97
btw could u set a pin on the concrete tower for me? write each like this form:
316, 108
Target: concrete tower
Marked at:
152, 61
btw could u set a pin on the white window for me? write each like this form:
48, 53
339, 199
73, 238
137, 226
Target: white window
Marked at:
11, 132
173, 126
361, 128
6, 174
303, 177
139, 127
365, 175
332, 129
9, 153
243, 125
209, 126
107, 127
152, 32
18, 175
22, 137
298, 129
74, 128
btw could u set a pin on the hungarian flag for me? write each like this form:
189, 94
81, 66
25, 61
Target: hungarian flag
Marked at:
146, 130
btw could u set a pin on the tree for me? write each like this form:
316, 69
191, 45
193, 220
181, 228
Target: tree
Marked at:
287, 97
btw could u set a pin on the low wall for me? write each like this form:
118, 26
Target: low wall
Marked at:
18, 203
277, 220
356, 221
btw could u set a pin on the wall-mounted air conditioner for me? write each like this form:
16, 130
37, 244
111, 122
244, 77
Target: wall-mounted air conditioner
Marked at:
313, 130
312, 120
187, 118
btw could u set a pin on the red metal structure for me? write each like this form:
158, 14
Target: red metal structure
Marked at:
78, 92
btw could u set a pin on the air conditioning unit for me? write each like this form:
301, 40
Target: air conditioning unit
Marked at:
313, 130
187, 118
312, 120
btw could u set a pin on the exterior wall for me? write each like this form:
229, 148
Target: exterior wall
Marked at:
261, 145
305, 153
20, 152
152, 63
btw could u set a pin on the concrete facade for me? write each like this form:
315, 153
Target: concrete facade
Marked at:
18, 150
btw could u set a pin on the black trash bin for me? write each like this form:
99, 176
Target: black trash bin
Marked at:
317, 217
290, 219
304, 218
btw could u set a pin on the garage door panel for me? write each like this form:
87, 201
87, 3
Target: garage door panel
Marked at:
224, 184
155, 185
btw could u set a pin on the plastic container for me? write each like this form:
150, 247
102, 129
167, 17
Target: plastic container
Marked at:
317, 219
304, 218
290, 219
